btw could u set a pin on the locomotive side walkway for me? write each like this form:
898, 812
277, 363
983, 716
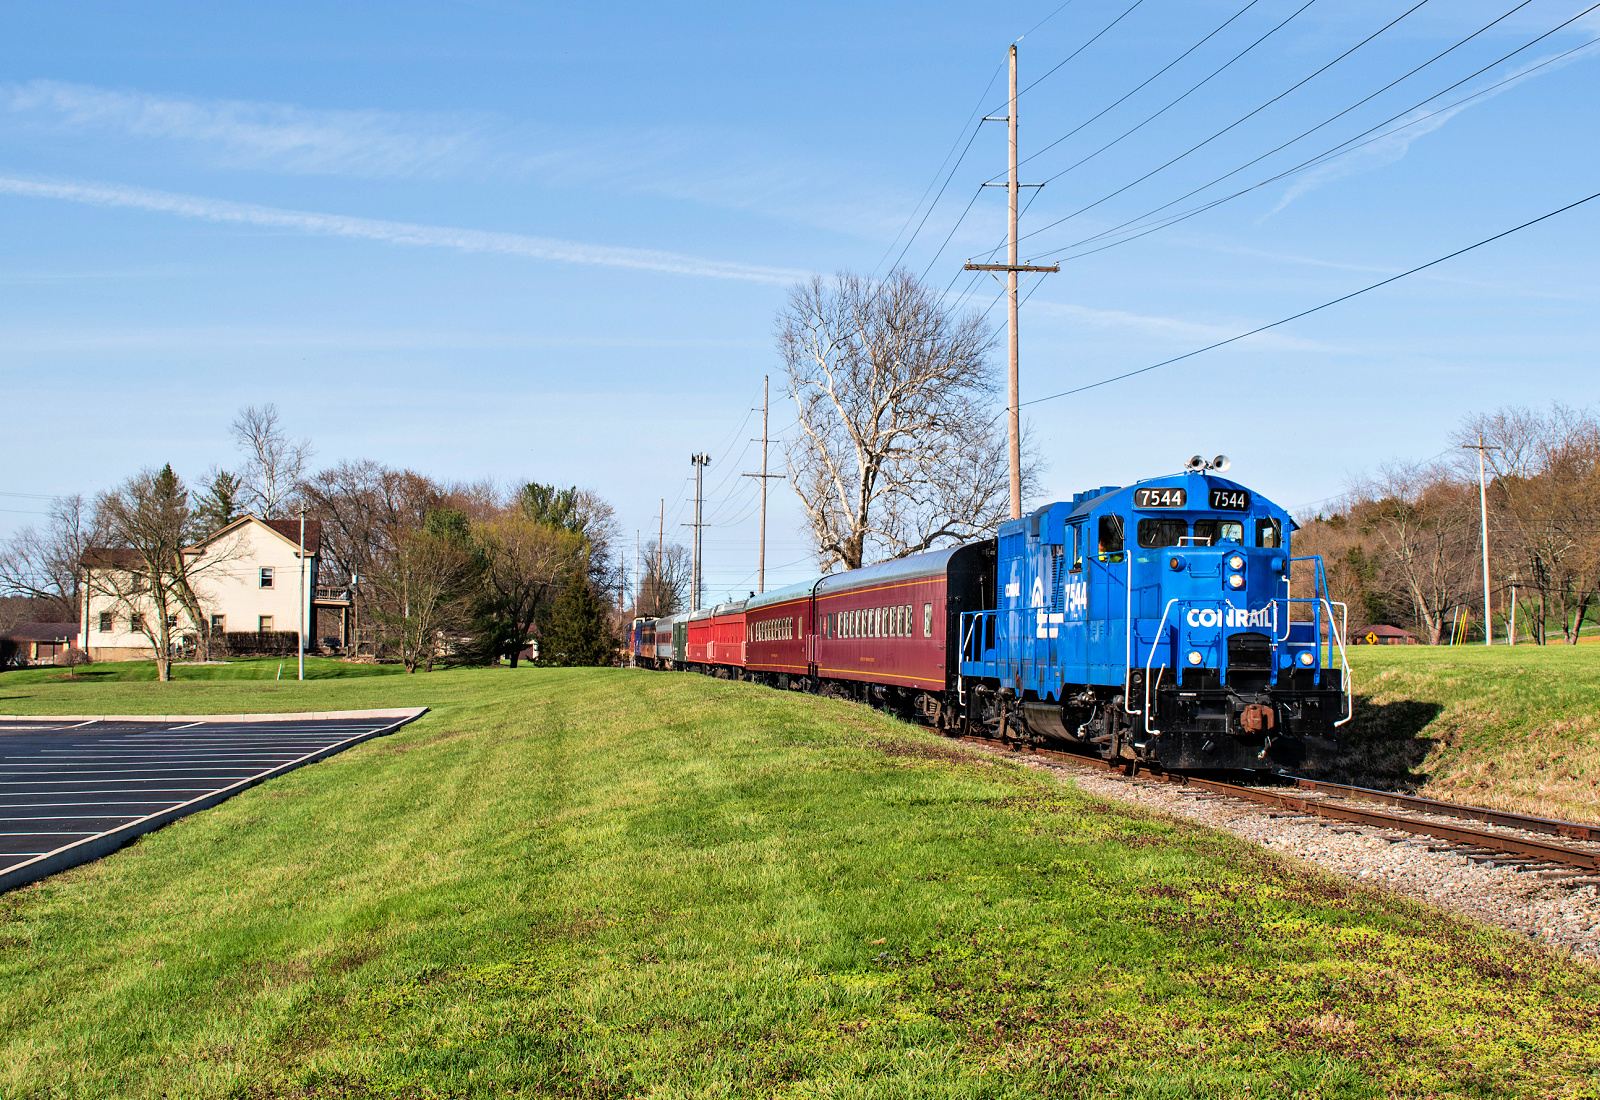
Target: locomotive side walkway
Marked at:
74, 788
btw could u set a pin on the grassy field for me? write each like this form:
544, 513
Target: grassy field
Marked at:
1517, 728
597, 883
276, 669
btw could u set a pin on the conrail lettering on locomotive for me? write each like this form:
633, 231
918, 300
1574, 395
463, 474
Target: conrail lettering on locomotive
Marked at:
1162, 641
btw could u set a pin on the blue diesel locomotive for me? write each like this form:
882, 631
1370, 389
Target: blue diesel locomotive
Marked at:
1157, 624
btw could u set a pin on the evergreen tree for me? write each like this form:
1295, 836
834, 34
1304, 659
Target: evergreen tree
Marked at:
218, 506
579, 628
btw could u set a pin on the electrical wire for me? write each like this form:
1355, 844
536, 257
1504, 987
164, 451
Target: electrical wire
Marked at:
1317, 308
1140, 87
1207, 141
1347, 145
1097, 36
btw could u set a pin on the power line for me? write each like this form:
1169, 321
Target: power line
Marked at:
1144, 84
1317, 308
1236, 122
1347, 145
1097, 36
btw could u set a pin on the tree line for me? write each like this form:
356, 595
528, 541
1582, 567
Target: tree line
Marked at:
1403, 545
442, 572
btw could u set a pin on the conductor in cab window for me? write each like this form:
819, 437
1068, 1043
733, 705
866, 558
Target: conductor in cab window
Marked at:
1110, 539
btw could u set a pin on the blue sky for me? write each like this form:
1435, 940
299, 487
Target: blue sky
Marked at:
508, 240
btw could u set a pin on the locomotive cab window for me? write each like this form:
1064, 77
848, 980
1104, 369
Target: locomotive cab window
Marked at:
1162, 531
1269, 532
1075, 538
1209, 532
1110, 538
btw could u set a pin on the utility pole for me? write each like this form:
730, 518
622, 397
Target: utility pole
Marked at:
1011, 267
761, 553
1483, 516
302, 661
661, 555
701, 461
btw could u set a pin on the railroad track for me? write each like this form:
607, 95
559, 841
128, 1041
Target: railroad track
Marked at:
1486, 840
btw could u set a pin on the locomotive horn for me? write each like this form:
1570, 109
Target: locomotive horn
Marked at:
1220, 463
1196, 464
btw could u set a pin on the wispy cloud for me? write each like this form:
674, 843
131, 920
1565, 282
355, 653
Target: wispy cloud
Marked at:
1420, 123
259, 135
726, 170
1085, 317
401, 233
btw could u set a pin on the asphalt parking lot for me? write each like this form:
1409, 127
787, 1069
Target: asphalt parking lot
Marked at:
72, 790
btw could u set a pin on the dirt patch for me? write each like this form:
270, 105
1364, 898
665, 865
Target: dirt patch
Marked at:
913, 750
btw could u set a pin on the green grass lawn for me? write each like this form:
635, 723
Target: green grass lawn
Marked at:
599, 883
1517, 727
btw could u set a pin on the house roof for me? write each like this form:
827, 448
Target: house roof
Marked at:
42, 632
118, 557
109, 557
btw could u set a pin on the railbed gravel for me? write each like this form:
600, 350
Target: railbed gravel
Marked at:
1564, 914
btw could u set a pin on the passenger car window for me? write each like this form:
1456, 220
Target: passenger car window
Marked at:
1110, 538
1162, 531
927, 620
1209, 532
1269, 532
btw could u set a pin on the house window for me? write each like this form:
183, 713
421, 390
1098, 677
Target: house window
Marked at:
108, 622
219, 624
264, 624
136, 623
266, 576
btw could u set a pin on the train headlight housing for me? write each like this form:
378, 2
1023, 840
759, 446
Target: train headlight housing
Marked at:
1308, 658
1194, 657
1277, 565
1236, 581
1236, 562
1175, 562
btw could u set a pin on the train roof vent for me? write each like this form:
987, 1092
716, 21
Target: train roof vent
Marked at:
1090, 494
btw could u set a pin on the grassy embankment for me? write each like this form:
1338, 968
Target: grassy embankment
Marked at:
599, 883
1517, 728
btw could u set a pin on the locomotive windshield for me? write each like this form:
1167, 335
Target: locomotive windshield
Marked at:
1269, 532
1209, 532
1165, 531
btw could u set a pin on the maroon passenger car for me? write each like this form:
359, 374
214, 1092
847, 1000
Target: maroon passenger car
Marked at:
895, 623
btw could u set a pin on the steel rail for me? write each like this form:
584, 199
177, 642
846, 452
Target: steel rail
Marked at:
1316, 807
1571, 829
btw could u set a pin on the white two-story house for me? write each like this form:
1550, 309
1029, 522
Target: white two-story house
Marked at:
247, 577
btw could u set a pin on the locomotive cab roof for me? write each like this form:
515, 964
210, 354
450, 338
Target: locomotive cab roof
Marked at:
1185, 493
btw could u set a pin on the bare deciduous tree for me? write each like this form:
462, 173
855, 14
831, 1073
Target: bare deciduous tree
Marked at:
898, 446
47, 564
1425, 523
149, 572
1546, 494
425, 585
664, 582
274, 463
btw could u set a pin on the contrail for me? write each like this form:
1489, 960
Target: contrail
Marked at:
429, 236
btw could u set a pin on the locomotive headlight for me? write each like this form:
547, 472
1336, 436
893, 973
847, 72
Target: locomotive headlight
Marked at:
1236, 581
1236, 562
1308, 658
1194, 657
1176, 562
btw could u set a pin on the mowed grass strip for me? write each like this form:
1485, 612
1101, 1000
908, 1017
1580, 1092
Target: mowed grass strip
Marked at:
599, 883
1512, 727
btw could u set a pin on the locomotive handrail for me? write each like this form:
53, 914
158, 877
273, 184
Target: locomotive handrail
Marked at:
1127, 633
1150, 660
